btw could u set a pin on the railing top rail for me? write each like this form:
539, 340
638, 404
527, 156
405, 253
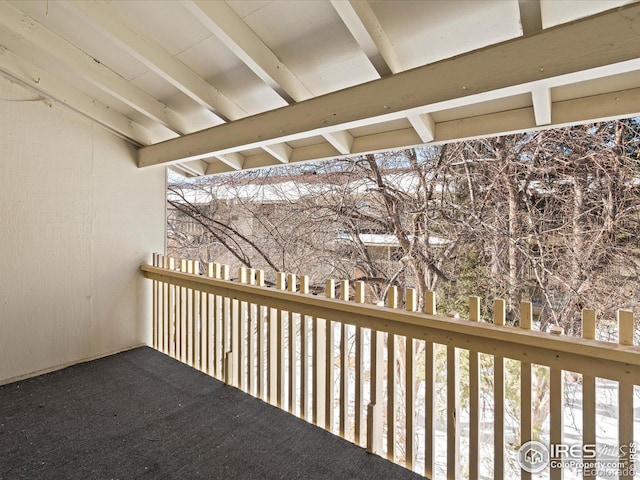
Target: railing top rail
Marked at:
598, 358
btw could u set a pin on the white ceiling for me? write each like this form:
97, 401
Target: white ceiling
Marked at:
213, 86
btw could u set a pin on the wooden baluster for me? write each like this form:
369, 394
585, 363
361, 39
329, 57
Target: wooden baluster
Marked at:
625, 399
474, 397
261, 333
344, 365
281, 285
165, 310
173, 314
193, 318
218, 327
330, 292
556, 401
525, 387
205, 332
392, 302
453, 412
155, 302
251, 342
239, 334
292, 341
189, 319
374, 409
304, 354
212, 334
225, 323
183, 315
429, 387
411, 303
588, 391
499, 315
273, 350
359, 386
319, 372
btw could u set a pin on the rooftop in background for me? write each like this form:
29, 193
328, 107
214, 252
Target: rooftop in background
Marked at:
244, 84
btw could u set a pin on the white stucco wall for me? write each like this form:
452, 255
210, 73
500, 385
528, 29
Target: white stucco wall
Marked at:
77, 217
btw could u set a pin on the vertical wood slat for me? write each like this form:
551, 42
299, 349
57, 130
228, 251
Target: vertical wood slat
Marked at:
330, 292
411, 303
261, 334
193, 317
225, 328
156, 334
304, 354
166, 310
453, 412
429, 378
359, 371
188, 320
251, 340
203, 348
292, 335
392, 302
374, 409
239, 334
212, 334
280, 348
499, 315
588, 390
172, 313
218, 334
344, 366
625, 398
273, 339
183, 315
556, 422
319, 372
525, 387
474, 397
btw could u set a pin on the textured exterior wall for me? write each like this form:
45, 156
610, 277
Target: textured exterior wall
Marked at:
77, 217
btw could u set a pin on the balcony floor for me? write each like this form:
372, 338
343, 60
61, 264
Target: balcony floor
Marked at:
141, 414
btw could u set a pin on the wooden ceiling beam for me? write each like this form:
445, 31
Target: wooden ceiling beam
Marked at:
38, 79
155, 57
30, 31
604, 44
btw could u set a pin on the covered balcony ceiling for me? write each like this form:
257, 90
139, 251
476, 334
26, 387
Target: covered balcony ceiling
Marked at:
213, 86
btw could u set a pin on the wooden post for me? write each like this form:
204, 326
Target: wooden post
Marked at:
344, 366
359, 370
304, 354
330, 292
525, 387
588, 387
429, 309
625, 399
183, 315
292, 339
392, 302
453, 412
261, 332
280, 285
411, 302
499, 314
474, 397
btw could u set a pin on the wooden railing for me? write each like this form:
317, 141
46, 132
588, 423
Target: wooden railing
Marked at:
371, 374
